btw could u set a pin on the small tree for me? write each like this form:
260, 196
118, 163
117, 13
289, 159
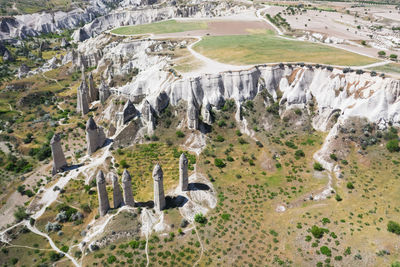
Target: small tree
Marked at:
318, 166
393, 56
393, 145
200, 218
393, 227
381, 53
219, 163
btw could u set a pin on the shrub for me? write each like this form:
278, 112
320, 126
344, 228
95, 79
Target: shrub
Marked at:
381, 53
180, 134
395, 264
238, 133
259, 144
318, 166
338, 258
64, 249
299, 153
111, 259
124, 164
393, 145
20, 214
242, 141
326, 251
225, 216
338, 197
219, 163
350, 185
393, 227
317, 232
221, 123
219, 138
200, 218
333, 157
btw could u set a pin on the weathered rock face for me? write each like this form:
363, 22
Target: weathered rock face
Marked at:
148, 15
93, 92
57, 153
23, 71
64, 43
192, 116
128, 113
7, 57
104, 92
95, 136
22, 26
117, 194
104, 204
127, 187
159, 197
183, 173
82, 104
148, 117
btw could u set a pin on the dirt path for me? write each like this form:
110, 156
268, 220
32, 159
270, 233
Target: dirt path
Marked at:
201, 245
52, 244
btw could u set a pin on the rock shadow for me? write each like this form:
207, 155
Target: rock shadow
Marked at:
107, 142
72, 167
175, 202
198, 187
148, 204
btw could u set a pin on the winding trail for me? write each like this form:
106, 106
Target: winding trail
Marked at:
201, 245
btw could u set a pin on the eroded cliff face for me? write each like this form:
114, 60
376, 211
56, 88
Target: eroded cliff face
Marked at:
330, 91
22, 26
149, 14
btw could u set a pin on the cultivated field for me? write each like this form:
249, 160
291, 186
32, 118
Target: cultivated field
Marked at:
266, 48
168, 26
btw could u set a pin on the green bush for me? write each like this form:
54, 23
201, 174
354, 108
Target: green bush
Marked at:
393, 145
333, 156
326, 251
350, 185
20, 214
299, 153
219, 163
338, 197
111, 259
393, 227
219, 138
200, 218
180, 134
318, 166
317, 232
64, 249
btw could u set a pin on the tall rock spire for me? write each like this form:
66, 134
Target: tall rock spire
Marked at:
183, 173
82, 105
129, 112
104, 92
59, 161
95, 136
117, 194
159, 197
93, 92
104, 204
127, 187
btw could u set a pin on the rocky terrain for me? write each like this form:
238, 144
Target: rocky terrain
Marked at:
139, 150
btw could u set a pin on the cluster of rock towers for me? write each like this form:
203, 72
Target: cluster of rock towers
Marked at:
95, 138
125, 197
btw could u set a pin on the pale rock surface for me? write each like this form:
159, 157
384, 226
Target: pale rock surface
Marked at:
104, 204
183, 172
117, 193
127, 187
159, 197
59, 161
95, 136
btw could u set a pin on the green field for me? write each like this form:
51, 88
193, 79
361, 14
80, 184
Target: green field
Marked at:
168, 26
268, 48
390, 68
